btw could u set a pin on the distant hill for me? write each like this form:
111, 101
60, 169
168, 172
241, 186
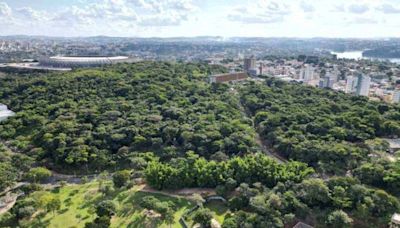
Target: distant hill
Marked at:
383, 52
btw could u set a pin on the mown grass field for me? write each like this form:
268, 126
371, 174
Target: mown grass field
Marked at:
78, 200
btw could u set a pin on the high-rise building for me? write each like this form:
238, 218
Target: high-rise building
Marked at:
351, 83
363, 85
249, 63
396, 96
307, 73
327, 81
260, 68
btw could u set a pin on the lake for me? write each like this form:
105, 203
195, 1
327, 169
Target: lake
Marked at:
357, 55
5, 112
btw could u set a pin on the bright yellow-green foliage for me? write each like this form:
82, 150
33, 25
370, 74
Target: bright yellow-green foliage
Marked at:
73, 206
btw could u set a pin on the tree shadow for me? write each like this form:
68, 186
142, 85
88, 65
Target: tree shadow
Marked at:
218, 207
62, 211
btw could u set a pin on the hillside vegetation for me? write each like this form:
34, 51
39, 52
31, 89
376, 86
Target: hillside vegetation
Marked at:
164, 124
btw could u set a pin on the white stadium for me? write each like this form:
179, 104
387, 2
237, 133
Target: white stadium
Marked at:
84, 61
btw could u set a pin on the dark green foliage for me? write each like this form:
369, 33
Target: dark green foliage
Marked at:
121, 178
326, 129
99, 222
106, 208
87, 118
152, 203
323, 128
203, 216
24, 208
12, 167
335, 203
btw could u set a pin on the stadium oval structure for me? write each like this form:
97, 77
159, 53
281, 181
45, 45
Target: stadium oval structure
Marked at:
73, 62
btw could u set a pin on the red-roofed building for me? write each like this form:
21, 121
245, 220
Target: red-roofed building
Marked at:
231, 77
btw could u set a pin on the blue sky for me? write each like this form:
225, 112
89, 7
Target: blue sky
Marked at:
169, 18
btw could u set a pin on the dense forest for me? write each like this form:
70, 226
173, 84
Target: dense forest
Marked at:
96, 118
331, 131
165, 123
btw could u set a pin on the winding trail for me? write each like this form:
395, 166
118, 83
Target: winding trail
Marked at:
261, 144
186, 193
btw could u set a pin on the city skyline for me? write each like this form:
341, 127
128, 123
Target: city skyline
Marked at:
188, 18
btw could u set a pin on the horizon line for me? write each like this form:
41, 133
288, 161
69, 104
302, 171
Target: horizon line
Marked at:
204, 36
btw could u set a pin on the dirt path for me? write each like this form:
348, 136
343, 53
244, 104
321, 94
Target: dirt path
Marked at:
261, 144
264, 148
8, 205
186, 193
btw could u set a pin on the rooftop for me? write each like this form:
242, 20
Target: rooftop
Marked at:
393, 143
88, 58
302, 225
396, 218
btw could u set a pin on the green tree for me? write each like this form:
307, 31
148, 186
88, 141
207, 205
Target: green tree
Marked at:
314, 192
100, 222
121, 178
53, 205
169, 217
203, 216
339, 219
38, 174
106, 208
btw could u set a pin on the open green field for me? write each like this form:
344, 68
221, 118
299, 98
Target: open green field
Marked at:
78, 200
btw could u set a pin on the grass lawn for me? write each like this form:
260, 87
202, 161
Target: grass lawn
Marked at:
77, 202
219, 210
74, 211
129, 214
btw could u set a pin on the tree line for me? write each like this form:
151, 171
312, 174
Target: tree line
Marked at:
195, 171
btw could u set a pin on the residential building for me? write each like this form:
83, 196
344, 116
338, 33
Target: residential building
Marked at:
351, 83
363, 85
249, 64
396, 96
326, 82
307, 73
302, 225
260, 68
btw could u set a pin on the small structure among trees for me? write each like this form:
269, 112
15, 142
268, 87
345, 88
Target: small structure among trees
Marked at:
395, 221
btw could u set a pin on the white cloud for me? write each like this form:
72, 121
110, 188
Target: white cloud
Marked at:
264, 11
341, 8
165, 13
103, 12
29, 14
358, 8
388, 9
202, 17
307, 7
5, 10
362, 20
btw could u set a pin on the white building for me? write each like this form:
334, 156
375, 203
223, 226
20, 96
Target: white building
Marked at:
307, 73
395, 221
396, 96
81, 61
363, 85
351, 83
5, 112
327, 82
